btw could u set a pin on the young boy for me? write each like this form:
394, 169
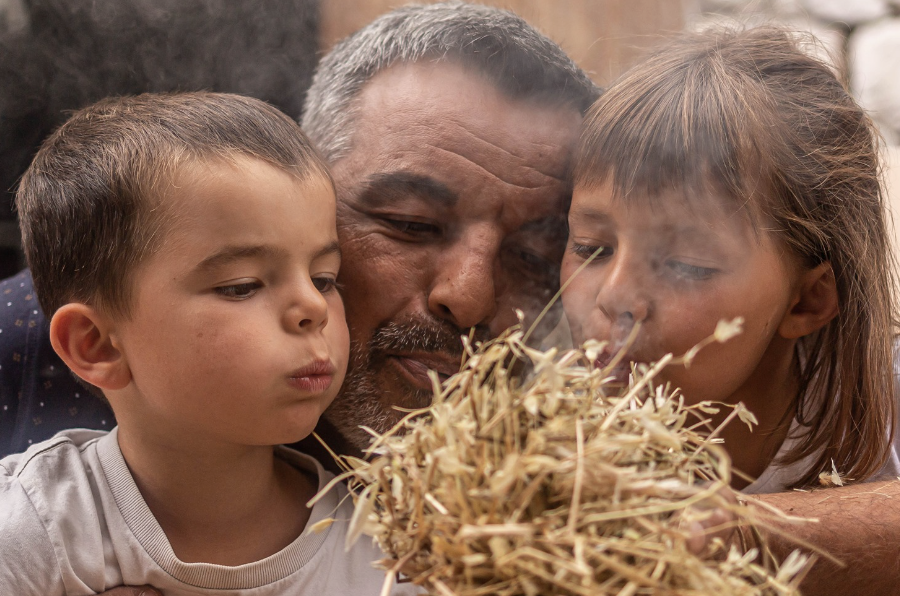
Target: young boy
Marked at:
186, 249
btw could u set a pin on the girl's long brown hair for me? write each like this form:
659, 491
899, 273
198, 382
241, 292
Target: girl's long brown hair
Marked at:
748, 114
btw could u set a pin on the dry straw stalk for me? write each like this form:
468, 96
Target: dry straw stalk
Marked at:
561, 483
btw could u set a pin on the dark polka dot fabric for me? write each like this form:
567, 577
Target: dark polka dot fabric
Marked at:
38, 395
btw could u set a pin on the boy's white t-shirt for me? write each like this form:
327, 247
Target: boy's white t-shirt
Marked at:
72, 522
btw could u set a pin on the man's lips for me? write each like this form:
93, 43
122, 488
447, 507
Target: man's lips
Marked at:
415, 367
315, 377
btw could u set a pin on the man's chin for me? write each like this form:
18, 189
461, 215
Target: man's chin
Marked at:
363, 404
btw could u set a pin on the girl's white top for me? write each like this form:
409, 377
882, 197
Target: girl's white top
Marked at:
776, 478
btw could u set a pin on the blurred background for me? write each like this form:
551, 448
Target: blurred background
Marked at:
59, 55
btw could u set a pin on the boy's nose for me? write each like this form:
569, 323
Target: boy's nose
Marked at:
309, 309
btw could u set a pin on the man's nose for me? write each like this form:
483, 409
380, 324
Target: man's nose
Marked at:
307, 309
624, 295
464, 290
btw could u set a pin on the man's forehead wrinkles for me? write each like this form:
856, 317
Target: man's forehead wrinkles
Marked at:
530, 178
533, 153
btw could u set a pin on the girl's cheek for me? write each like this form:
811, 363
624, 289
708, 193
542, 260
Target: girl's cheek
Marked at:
578, 304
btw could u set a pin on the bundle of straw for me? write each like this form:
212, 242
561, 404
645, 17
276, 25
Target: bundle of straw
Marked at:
559, 483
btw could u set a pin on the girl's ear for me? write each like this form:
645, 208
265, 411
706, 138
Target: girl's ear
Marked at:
816, 303
81, 336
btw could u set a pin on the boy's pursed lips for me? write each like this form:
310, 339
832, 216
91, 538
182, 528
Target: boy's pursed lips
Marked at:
314, 377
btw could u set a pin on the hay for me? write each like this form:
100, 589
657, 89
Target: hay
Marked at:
558, 484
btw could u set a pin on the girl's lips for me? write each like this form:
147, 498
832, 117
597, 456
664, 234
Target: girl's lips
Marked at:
621, 372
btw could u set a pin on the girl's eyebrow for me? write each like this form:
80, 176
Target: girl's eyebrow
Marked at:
589, 213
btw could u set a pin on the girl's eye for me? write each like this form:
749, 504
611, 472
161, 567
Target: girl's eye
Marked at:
694, 272
239, 291
588, 251
325, 284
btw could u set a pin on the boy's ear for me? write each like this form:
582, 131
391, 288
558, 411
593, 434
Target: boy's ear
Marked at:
81, 336
816, 303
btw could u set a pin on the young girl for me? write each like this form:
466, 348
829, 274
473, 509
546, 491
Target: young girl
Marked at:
732, 175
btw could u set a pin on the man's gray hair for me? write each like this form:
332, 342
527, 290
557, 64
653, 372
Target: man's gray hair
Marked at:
523, 63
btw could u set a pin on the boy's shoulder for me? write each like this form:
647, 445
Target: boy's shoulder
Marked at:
60, 454
47, 499
54, 479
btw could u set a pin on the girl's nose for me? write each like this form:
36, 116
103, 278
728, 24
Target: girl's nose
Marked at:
624, 294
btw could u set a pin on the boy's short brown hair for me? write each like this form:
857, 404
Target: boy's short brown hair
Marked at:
89, 204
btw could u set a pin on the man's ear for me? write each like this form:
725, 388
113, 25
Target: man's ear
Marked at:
81, 336
815, 305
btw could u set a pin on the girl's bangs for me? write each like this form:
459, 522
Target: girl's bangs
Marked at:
682, 128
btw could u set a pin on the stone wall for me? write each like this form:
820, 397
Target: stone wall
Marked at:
859, 38
861, 41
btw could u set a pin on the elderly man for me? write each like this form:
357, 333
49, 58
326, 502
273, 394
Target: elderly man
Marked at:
448, 128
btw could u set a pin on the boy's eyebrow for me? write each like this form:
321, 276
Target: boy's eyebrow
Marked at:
232, 253
383, 188
332, 248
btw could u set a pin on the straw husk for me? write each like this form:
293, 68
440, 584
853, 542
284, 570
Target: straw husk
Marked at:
557, 482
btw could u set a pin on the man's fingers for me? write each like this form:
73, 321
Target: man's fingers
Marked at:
696, 541
711, 519
132, 591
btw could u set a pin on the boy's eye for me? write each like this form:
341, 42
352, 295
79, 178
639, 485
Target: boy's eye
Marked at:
325, 284
240, 291
688, 271
588, 251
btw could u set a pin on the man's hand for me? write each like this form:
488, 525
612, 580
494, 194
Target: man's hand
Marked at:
719, 524
710, 519
132, 591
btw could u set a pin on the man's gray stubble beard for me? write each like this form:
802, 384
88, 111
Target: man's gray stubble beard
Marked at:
359, 404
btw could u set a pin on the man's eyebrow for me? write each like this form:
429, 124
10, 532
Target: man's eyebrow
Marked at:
384, 188
231, 253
